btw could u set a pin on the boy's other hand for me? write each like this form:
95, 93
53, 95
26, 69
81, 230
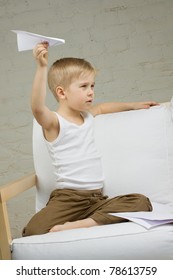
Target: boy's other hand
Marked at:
144, 105
40, 53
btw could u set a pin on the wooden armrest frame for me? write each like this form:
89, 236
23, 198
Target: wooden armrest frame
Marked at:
7, 192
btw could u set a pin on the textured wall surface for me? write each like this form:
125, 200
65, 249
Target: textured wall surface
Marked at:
129, 41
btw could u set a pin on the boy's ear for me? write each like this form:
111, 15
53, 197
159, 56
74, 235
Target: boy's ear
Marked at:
60, 93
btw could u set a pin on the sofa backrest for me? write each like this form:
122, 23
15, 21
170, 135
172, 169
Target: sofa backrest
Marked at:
137, 154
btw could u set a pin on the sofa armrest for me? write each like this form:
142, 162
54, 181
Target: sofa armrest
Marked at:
7, 192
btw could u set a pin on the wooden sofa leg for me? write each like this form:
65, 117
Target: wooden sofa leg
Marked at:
5, 235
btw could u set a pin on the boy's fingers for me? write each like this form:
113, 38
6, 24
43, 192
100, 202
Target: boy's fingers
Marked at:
45, 43
39, 51
41, 54
153, 103
41, 46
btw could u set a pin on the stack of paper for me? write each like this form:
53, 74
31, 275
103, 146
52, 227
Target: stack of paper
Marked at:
27, 41
161, 214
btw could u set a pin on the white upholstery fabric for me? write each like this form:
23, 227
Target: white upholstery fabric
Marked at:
126, 241
137, 153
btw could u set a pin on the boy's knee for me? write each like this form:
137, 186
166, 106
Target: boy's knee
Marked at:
144, 203
33, 230
27, 231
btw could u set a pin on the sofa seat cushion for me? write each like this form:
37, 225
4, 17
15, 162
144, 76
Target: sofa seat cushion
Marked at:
118, 241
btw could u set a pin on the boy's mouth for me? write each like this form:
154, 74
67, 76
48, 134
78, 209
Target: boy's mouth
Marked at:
89, 101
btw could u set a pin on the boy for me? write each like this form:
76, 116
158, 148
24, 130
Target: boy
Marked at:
77, 200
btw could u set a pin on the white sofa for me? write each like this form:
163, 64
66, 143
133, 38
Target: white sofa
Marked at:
137, 156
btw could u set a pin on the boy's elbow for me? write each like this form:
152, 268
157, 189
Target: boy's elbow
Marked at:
37, 111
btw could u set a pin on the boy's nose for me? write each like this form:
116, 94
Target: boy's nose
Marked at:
91, 92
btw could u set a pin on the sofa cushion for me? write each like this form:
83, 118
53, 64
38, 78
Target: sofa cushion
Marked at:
137, 152
126, 241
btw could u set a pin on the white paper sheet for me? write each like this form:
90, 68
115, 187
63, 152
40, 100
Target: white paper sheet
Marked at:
27, 41
161, 214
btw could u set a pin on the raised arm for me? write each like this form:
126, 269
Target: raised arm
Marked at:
112, 107
41, 112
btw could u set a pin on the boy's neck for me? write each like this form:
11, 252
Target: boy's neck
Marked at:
71, 115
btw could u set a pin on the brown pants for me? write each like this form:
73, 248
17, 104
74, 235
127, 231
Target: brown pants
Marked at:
66, 205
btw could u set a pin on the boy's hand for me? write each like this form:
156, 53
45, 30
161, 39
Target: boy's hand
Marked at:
40, 53
144, 105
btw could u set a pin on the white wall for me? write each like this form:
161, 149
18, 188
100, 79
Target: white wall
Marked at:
129, 41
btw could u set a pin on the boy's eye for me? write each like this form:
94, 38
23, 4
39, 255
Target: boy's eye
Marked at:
85, 86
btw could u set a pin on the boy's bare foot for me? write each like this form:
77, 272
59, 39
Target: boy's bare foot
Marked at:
72, 225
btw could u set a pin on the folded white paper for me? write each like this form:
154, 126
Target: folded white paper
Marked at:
161, 214
27, 41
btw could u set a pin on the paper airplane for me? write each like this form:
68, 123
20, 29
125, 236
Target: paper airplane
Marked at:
27, 41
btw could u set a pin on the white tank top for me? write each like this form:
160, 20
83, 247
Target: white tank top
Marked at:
76, 161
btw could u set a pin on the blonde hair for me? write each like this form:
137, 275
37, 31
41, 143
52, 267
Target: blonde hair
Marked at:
65, 70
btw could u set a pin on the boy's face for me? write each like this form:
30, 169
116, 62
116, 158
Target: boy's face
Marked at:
80, 93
